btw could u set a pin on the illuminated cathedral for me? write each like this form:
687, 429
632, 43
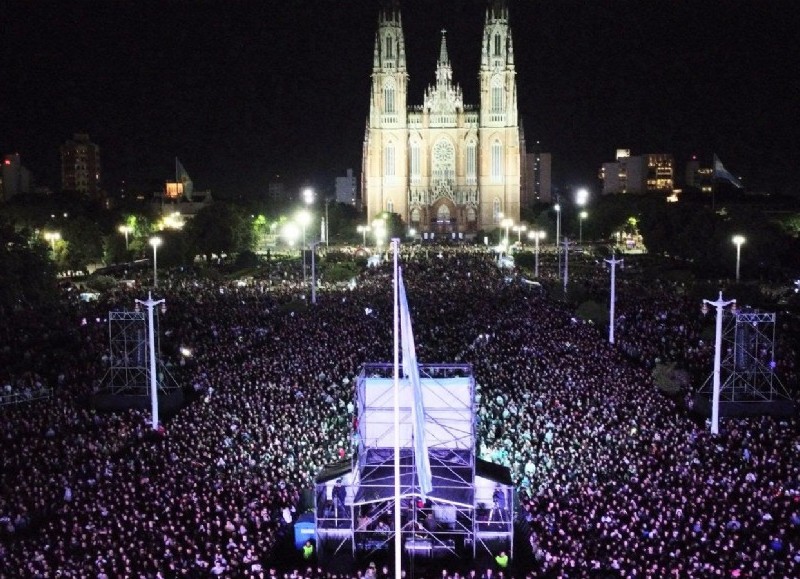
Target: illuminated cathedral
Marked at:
443, 166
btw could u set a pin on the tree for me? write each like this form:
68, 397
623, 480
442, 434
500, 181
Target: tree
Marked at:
29, 279
84, 243
220, 228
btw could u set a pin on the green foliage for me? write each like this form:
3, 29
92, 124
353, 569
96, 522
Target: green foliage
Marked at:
247, 259
670, 380
220, 228
594, 311
340, 272
101, 282
28, 279
84, 243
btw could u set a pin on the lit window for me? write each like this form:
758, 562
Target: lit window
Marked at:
497, 161
388, 97
415, 161
497, 95
388, 161
472, 163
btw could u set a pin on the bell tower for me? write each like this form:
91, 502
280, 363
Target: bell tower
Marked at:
499, 178
385, 170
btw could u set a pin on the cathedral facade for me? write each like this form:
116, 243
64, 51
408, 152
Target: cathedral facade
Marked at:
444, 166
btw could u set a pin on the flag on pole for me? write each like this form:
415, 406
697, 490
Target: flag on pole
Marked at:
181, 176
720, 172
411, 371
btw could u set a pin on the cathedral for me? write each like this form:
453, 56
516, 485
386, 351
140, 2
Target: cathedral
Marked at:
444, 167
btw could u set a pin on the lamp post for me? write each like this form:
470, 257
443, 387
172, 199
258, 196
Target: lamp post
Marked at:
155, 242
314, 272
566, 263
536, 236
362, 229
379, 227
738, 240
519, 229
126, 229
303, 217
507, 222
613, 263
327, 222
719, 304
52, 237
582, 215
150, 303
557, 208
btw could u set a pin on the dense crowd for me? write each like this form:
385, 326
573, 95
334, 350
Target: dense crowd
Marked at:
612, 475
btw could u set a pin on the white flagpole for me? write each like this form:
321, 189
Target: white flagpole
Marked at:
398, 543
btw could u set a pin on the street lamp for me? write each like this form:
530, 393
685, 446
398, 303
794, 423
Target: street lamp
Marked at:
52, 237
379, 227
581, 197
308, 196
290, 232
126, 229
738, 240
536, 236
412, 233
719, 304
519, 229
155, 242
314, 272
557, 208
613, 263
582, 215
362, 229
303, 217
507, 222
150, 303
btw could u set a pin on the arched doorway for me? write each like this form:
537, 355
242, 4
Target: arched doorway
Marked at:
444, 221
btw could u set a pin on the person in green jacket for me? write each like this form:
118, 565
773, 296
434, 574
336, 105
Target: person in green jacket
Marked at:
308, 550
502, 561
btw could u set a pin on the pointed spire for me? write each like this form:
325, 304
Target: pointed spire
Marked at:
376, 58
443, 58
498, 10
390, 11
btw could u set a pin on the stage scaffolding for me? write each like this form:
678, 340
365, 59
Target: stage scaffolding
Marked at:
748, 379
469, 510
128, 374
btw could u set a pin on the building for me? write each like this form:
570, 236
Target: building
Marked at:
346, 188
277, 192
80, 166
443, 166
698, 177
14, 178
536, 185
649, 173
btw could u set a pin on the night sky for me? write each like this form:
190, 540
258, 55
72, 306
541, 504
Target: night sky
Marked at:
242, 91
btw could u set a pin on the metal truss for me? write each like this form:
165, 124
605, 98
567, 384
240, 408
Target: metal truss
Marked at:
129, 356
748, 363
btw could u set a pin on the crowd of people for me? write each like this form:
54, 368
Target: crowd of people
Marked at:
612, 475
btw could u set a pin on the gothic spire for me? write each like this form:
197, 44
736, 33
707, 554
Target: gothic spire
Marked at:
498, 10
443, 58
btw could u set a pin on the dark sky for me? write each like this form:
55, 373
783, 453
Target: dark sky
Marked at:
241, 91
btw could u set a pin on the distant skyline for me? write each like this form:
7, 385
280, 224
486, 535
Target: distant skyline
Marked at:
241, 91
